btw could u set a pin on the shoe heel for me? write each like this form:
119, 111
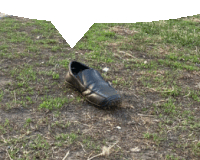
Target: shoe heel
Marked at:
69, 85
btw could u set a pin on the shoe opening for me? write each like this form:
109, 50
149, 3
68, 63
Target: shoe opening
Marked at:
77, 67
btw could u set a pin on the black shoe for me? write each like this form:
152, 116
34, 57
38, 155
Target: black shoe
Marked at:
91, 84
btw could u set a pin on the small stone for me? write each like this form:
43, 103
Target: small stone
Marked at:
136, 149
105, 69
118, 127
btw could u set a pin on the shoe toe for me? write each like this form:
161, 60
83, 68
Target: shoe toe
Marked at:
112, 101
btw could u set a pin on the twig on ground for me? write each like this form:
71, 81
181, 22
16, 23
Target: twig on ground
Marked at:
161, 100
143, 120
66, 155
87, 130
136, 127
88, 115
8, 155
187, 95
82, 146
105, 151
162, 91
145, 115
196, 49
128, 54
15, 97
3, 139
132, 107
28, 132
52, 152
119, 147
133, 93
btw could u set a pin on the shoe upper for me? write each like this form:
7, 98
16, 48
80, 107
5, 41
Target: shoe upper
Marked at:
91, 84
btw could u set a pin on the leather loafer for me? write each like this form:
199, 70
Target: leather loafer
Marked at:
91, 84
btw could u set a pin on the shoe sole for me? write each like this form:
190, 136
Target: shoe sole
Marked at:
108, 105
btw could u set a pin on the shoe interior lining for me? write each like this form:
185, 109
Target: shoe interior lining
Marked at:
77, 67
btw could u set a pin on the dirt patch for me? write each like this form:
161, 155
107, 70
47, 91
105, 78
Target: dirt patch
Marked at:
122, 31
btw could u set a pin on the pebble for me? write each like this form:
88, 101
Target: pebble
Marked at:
118, 127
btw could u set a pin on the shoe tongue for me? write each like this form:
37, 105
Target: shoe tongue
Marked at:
89, 76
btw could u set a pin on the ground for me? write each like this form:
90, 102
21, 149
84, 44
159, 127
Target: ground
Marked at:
154, 67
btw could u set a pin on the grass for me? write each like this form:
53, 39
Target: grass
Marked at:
154, 66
